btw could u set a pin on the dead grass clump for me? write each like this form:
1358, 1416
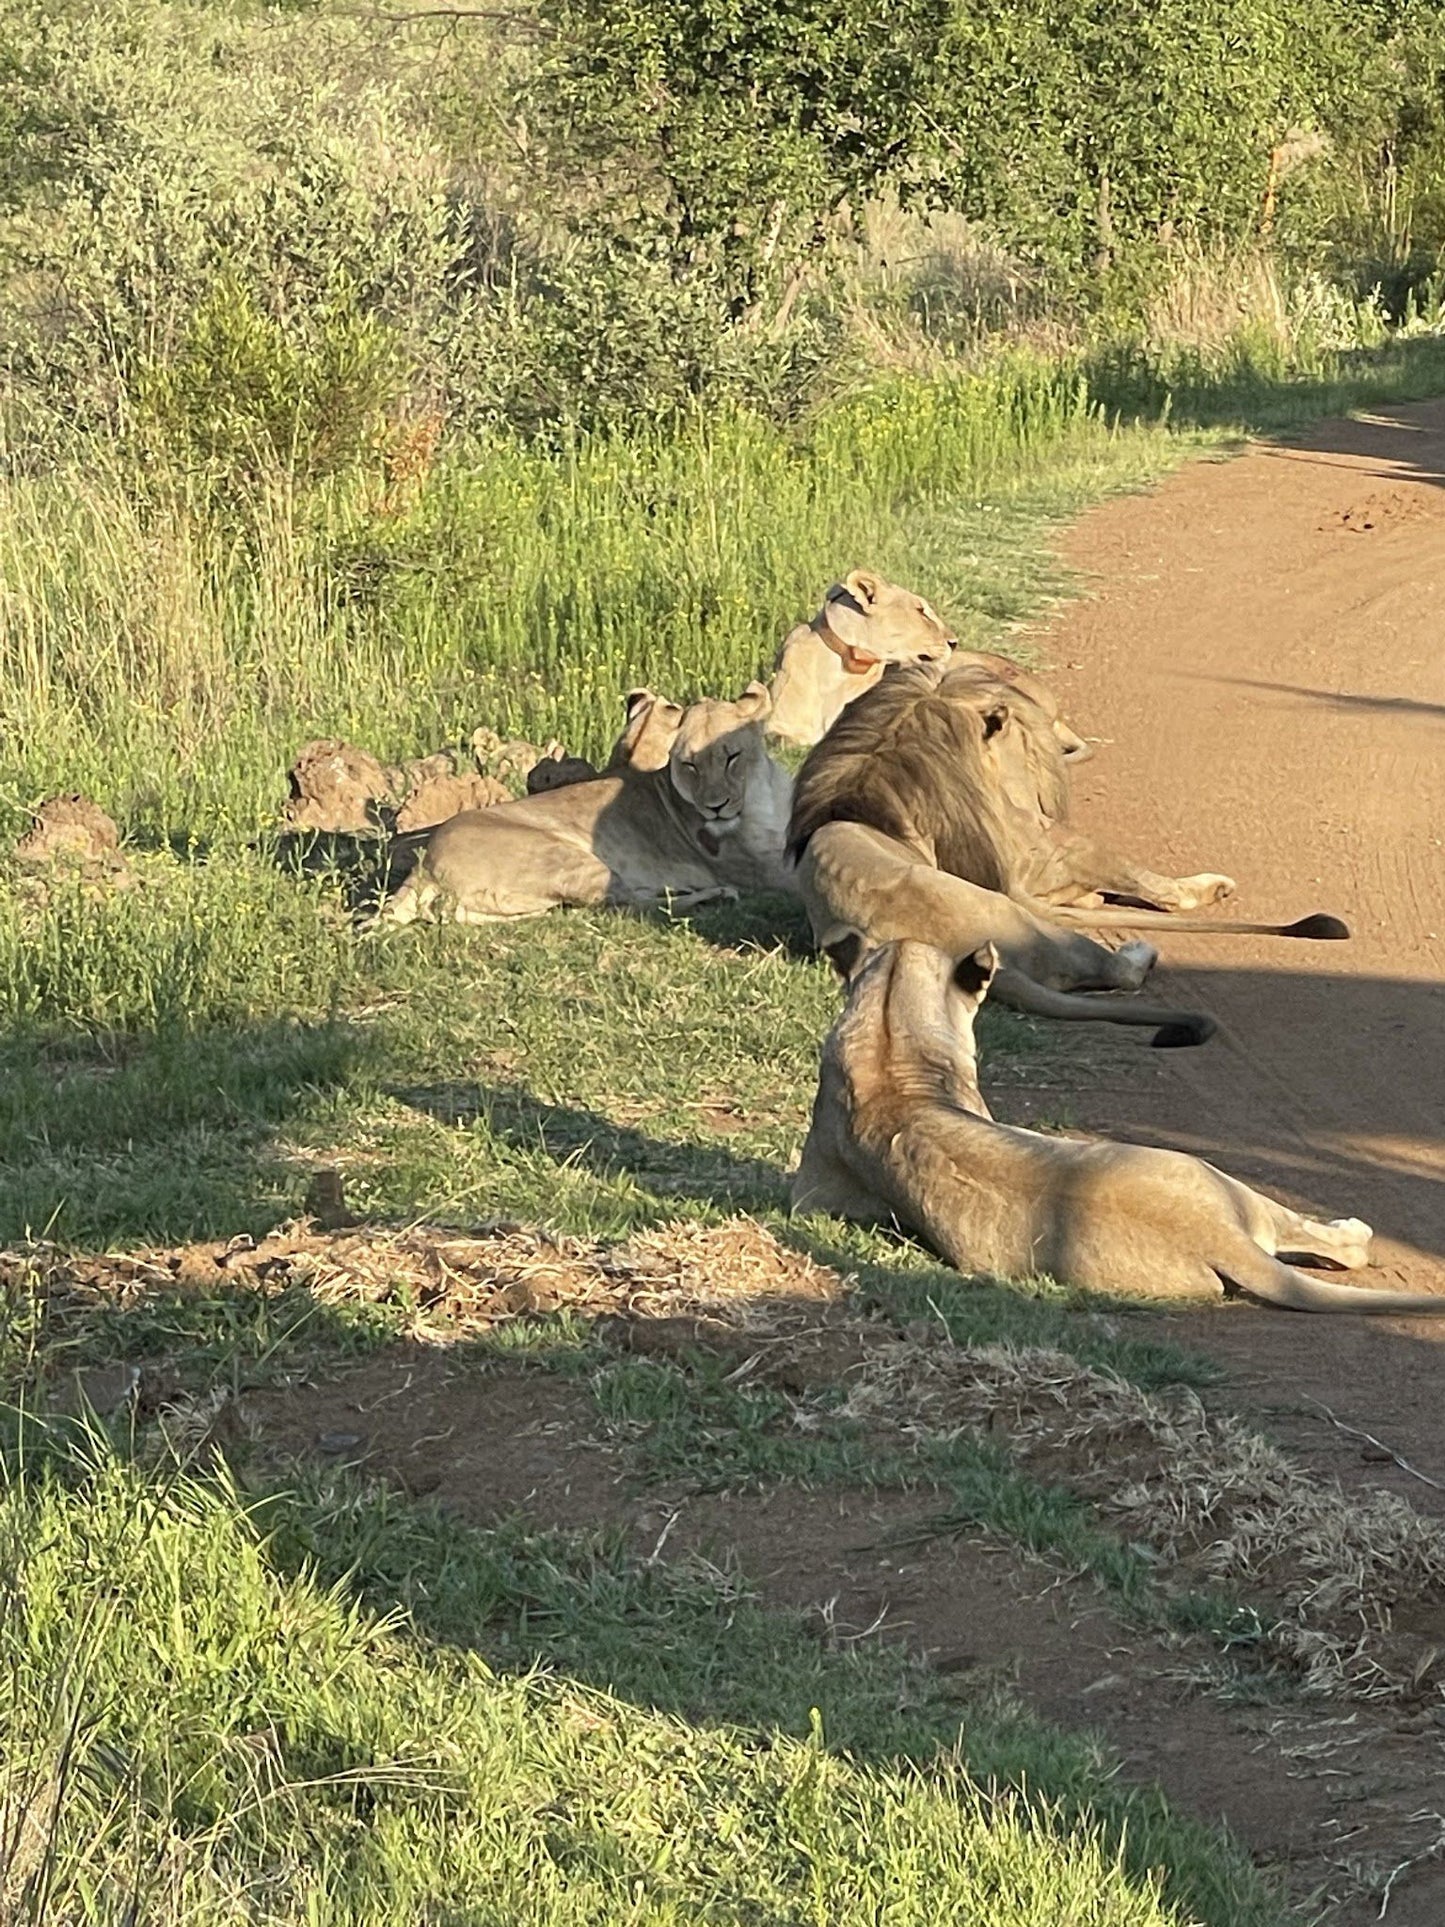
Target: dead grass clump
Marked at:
454, 1284
1355, 1583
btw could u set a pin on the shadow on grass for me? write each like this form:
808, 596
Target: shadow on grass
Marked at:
1133, 384
164, 1134
689, 1641
670, 1171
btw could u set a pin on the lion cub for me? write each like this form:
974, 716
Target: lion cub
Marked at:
900, 1133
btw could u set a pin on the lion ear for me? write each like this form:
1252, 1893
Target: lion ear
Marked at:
973, 973
755, 700
995, 720
636, 699
864, 586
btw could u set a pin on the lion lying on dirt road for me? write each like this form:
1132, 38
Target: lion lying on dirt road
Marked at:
933, 810
865, 624
707, 823
900, 1133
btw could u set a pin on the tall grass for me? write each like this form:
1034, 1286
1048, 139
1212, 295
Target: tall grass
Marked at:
172, 650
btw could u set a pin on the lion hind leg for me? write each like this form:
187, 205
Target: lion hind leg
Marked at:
1095, 873
1339, 1241
1291, 1236
1208, 886
1264, 1277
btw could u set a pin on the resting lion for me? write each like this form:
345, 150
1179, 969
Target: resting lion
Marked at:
867, 622
708, 823
901, 1134
934, 810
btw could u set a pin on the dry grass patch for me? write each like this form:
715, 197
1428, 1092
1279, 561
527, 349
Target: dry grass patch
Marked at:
1351, 1587
453, 1284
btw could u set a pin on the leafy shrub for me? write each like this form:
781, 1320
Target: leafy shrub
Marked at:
242, 396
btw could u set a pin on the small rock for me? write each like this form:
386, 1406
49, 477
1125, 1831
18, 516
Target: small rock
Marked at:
338, 1441
337, 787
72, 828
1106, 1683
97, 1389
506, 757
326, 1201
437, 796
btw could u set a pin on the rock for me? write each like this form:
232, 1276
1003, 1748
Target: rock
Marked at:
336, 786
97, 1389
74, 829
435, 797
509, 757
326, 1201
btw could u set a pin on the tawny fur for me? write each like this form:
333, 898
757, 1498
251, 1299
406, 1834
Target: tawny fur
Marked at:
707, 824
936, 808
901, 1134
865, 624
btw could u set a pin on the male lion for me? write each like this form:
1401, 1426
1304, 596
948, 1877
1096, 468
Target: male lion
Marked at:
934, 809
867, 622
709, 823
901, 1134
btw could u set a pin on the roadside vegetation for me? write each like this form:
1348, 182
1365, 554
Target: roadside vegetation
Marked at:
383, 373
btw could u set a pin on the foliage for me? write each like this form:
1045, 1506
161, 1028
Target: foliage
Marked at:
734, 128
257, 236
198, 1728
1126, 125
242, 397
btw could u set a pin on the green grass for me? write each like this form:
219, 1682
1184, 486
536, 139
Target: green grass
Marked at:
208, 1723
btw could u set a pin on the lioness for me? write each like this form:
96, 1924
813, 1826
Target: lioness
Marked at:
709, 823
931, 811
867, 622
900, 1133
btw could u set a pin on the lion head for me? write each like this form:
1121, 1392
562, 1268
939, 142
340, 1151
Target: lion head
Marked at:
717, 753
868, 620
954, 763
865, 623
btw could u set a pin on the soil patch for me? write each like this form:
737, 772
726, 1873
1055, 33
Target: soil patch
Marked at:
1270, 691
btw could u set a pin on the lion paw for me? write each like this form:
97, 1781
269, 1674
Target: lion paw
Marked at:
1353, 1232
1195, 893
1135, 961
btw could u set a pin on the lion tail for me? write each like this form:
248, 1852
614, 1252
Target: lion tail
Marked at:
1174, 1028
1319, 927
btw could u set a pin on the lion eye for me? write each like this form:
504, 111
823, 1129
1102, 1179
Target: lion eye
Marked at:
732, 756
691, 766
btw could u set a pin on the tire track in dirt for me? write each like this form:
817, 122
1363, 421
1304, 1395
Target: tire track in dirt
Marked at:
1261, 649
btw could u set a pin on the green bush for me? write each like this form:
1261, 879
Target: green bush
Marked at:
243, 398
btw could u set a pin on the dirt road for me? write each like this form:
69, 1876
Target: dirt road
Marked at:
1261, 649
